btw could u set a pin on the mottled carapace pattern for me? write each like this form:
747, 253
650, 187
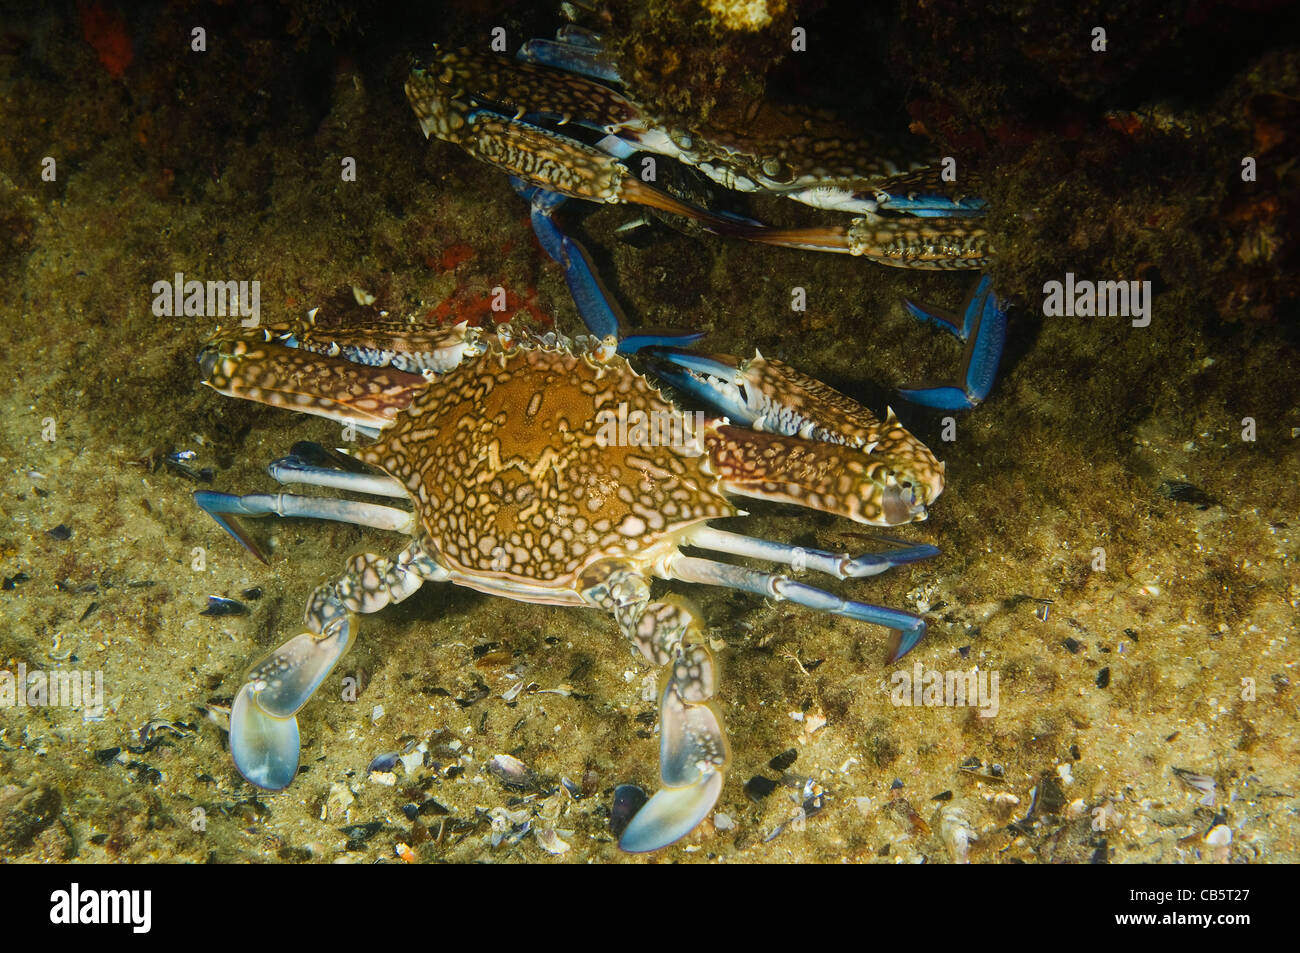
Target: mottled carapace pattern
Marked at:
517, 86
512, 478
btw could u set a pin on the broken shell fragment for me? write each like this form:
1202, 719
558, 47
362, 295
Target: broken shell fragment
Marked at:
511, 772
550, 842
956, 833
1219, 836
220, 606
1202, 783
383, 762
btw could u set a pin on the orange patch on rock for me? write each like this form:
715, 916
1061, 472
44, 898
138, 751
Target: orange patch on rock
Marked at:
478, 310
104, 29
453, 256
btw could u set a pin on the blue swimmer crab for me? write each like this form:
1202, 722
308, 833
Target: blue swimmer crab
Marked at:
517, 487
554, 119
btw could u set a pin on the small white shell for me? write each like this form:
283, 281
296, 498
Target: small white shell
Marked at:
956, 833
510, 771
550, 842
1219, 836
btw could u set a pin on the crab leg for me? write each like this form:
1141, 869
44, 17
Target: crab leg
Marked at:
264, 738
768, 395
693, 752
573, 50
222, 506
772, 396
944, 238
294, 469
983, 326
931, 244
868, 487
910, 628
413, 348
595, 306
270, 372
923, 192
839, 565
810, 444
524, 90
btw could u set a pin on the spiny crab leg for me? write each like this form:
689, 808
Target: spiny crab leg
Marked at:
772, 396
264, 738
910, 628
809, 444
259, 366
909, 220
928, 244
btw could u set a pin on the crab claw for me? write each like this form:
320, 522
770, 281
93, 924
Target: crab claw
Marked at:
265, 748
290, 675
692, 758
263, 723
671, 814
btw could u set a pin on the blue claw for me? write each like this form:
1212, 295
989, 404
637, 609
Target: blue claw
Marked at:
671, 814
690, 373
595, 306
983, 326
265, 748
908, 639
940, 398
934, 206
573, 50
263, 719
925, 194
